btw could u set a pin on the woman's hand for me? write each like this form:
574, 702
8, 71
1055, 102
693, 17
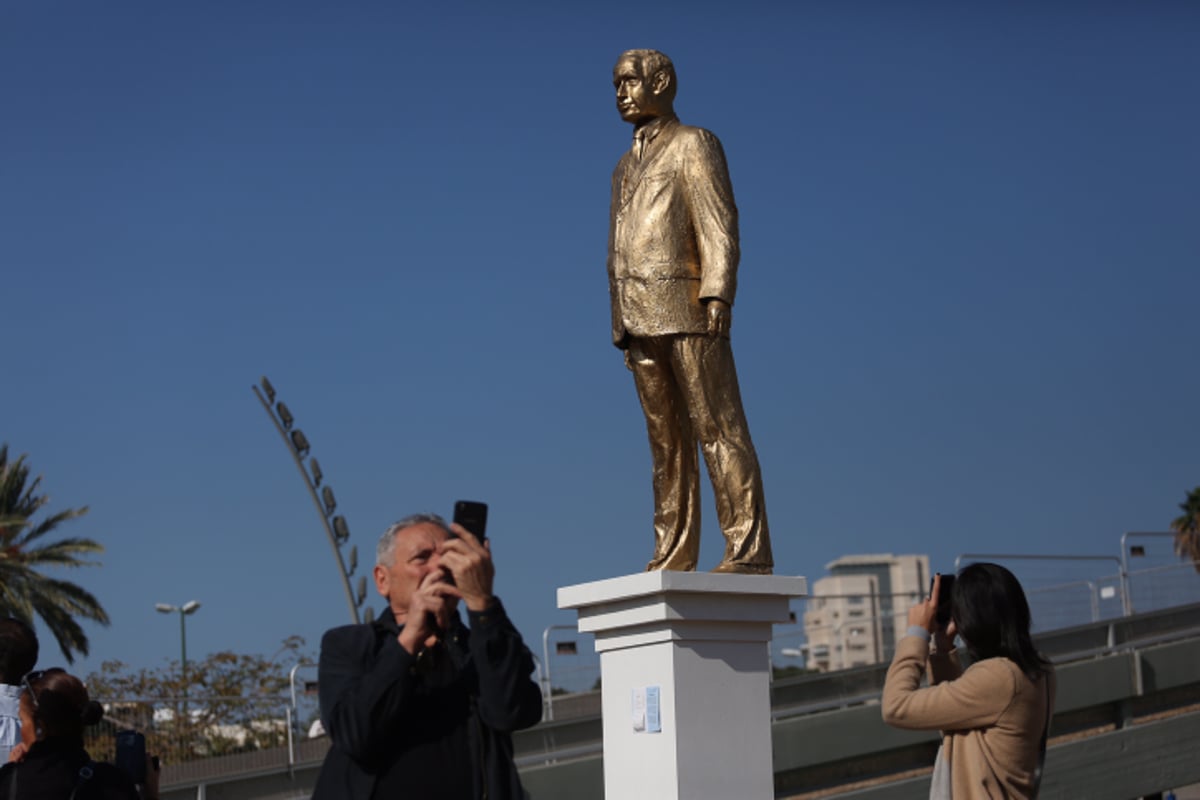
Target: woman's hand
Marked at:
944, 639
924, 614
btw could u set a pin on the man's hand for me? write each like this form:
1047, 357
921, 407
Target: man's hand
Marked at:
720, 317
149, 789
469, 563
429, 612
18, 752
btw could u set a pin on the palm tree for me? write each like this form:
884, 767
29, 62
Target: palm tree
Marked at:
1187, 529
24, 591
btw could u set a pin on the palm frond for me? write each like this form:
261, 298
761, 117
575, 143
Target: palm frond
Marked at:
50, 523
63, 553
24, 591
64, 628
68, 596
1187, 529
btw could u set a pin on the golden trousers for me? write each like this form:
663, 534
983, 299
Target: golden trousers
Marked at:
688, 388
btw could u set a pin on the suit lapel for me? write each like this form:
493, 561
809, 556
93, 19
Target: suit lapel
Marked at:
634, 169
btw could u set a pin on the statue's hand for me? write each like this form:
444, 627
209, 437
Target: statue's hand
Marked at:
720, 317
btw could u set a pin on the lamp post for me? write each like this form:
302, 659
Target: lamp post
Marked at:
1126, 552
336, 529
187, 608
548, 695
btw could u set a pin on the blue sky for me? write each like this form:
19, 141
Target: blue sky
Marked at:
965, 320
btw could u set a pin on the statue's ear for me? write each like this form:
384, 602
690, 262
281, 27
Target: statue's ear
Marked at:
660, 82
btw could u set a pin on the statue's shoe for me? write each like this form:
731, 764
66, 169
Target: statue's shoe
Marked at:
743, 569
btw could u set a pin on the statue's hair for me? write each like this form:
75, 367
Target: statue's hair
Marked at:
654, 62
385, 550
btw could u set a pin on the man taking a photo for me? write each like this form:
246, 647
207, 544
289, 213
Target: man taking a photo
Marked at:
416, 703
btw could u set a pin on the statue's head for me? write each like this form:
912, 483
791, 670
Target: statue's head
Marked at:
645, 84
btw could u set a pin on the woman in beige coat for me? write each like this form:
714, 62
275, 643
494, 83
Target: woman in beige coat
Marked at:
994, 715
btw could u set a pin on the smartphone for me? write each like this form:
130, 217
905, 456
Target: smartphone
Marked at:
472, 516
944, 606
131, 754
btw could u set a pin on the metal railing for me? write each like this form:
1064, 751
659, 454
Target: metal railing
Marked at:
220, 726
214, 726
1095, 649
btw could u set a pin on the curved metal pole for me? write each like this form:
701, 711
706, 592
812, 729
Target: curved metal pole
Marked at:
312, 492
293, 714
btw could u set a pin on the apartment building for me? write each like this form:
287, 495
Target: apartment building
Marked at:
855, 615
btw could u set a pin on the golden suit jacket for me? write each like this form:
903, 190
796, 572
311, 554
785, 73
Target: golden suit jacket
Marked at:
673, 233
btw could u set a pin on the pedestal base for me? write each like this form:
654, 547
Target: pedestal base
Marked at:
697, 643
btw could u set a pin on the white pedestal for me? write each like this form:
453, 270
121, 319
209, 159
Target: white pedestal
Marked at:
702, 640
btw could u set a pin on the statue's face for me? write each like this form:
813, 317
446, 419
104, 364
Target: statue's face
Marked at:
637, 100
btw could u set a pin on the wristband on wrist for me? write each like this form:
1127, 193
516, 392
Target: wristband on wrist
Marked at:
917, 630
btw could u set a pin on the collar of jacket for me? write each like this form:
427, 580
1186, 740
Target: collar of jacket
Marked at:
650, 131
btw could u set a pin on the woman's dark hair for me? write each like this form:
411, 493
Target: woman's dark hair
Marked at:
60, 704
992, 617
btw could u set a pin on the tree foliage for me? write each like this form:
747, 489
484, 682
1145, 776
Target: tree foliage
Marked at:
1187, 529
228, 703
25, 592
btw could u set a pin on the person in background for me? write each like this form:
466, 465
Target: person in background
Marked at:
50, 762
994, 715
18, 656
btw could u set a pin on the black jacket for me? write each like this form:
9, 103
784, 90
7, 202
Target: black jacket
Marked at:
368, 687
50, 771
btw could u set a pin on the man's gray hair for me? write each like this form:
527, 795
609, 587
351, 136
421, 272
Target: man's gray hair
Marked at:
386, 549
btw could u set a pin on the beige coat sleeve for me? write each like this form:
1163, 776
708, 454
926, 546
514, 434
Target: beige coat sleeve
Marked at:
976, 699
944, 667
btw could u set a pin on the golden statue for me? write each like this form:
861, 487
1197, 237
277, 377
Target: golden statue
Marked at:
672, 273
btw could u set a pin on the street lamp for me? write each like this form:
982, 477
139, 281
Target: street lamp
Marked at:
336, 529
187, 608
548, 692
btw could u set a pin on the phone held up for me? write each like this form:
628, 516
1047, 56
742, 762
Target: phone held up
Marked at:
472, 516
131, 754
944, 605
